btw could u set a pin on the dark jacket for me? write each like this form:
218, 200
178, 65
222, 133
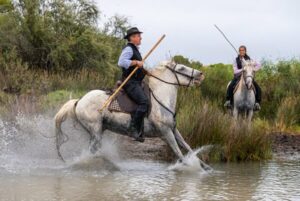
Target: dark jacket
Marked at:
140, 73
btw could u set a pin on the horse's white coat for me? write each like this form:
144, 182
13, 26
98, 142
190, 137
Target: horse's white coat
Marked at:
159, 123
244, 97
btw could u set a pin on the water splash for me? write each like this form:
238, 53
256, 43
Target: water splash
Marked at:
191, 163
27, 146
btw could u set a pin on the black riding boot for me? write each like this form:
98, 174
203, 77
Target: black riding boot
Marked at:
230, 90
136, 129
257, 96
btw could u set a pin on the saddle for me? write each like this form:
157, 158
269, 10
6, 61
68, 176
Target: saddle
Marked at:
123, 103
237, 86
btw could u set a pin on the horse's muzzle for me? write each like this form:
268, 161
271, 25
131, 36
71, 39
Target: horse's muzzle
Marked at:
199, 78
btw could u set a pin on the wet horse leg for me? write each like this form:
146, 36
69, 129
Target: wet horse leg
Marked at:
180, 140
169, 138
95, 130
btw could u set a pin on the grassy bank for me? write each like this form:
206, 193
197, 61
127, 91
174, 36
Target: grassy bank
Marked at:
203, 123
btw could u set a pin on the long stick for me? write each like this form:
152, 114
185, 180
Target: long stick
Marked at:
130, 75
226, 38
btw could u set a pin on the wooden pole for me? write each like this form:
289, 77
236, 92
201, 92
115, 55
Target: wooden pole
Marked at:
130, 75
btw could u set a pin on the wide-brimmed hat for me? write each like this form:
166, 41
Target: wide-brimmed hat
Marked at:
132, 31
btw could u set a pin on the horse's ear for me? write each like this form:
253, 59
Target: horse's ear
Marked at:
172, 62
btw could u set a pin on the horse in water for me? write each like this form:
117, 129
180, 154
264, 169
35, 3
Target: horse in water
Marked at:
244, 96
163, 81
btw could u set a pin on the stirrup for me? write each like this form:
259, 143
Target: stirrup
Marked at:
257, 107
228, 105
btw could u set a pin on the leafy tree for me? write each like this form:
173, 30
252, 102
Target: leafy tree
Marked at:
183, 60
60, 34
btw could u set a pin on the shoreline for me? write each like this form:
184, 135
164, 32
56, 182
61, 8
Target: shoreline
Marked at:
283, 146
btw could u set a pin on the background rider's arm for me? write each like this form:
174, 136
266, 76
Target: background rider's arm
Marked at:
235, 68
124, 60
257, 66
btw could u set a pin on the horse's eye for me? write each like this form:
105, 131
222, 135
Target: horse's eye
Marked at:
181, 68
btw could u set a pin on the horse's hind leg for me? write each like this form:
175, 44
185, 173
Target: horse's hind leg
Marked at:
95, 130
181, 141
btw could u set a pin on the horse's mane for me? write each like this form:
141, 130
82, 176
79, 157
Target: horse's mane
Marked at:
157, 69
161, 66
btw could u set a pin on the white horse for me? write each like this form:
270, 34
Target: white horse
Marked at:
244, 97
163, 81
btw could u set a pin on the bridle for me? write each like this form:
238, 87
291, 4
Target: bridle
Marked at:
175, 73
173, 70
248, 76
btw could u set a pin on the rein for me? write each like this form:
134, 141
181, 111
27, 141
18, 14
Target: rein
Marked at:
173, 70
248, 76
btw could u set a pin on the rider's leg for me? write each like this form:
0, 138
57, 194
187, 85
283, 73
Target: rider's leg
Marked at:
135, 92
258, 92
257, 96
229, 95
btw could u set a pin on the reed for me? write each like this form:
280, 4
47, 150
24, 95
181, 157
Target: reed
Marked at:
203, 123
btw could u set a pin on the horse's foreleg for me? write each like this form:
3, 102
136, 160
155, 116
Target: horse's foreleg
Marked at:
180, 140
250, 115
169, 138
235, 113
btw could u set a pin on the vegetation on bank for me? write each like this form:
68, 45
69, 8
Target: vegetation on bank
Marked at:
203, 119
54, 50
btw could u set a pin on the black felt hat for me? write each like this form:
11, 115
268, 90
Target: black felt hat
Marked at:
132, 31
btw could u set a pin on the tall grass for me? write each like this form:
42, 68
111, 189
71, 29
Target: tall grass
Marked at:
203, 123
288, 114
30, 91
17, 76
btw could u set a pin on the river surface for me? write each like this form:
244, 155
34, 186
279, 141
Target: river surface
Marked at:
138, 180
30, 170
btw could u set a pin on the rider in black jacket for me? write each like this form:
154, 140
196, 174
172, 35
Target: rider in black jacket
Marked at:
238, 68
129, 59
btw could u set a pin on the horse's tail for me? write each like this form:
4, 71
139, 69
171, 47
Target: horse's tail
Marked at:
67, 110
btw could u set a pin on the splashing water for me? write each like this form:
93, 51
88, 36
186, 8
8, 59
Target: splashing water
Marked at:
28, 145
191, 163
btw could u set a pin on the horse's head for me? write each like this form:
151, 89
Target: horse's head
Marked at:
248, 72
178, 74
